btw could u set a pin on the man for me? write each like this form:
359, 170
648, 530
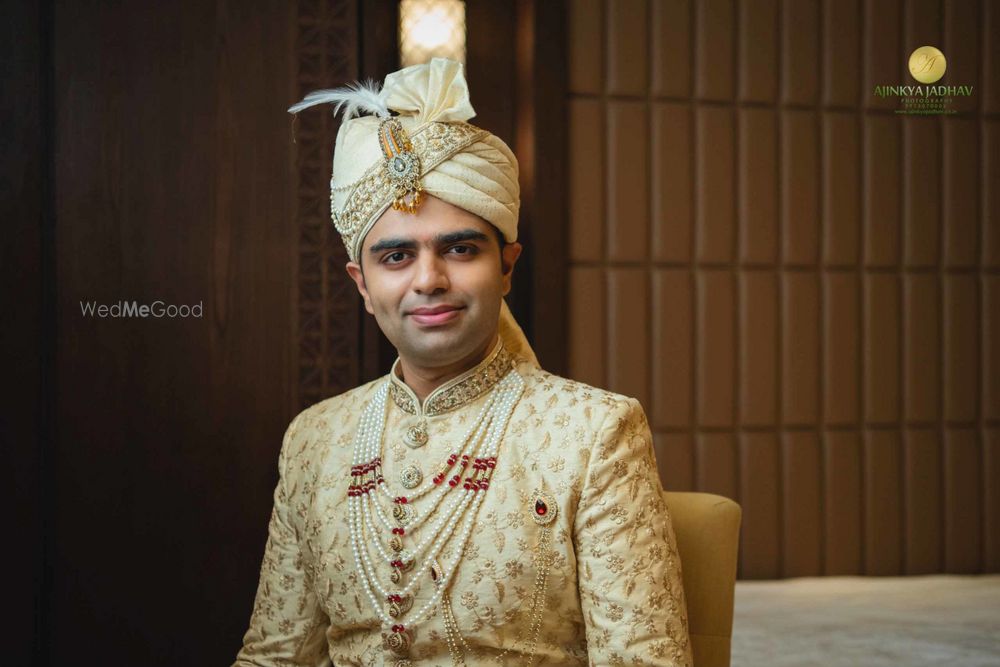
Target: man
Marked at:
469, 508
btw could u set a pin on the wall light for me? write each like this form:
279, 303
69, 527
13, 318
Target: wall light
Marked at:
430, 29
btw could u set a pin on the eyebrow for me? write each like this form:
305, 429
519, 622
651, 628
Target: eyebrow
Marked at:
440, 239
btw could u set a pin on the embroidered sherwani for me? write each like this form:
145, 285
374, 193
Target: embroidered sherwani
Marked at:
609, 565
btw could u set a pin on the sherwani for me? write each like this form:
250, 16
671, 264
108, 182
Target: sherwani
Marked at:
612, 574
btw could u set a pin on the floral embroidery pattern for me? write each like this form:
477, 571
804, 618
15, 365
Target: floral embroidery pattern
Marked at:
614, 594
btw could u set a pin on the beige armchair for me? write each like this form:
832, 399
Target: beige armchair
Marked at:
707, 528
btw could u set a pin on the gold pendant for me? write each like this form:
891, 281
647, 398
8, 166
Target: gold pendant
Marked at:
411, 477
399, 607
402, 514
543, 508
397, 641
416, 435
395, 543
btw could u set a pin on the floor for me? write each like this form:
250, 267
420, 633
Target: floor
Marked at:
870, 621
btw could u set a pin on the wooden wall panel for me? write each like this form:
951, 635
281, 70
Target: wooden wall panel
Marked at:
757, 180
758, 353
586, 180
175, 180
628, 181
963, 507
921, 192
800, 349
672, 177
802, 497
843, 503
841, 189
758, 56
841, 352
760, 486
26, 250
628, 346
673, 349
924, 502
799, 187
883, 545
716, 348
671, 48
821, 271
921, 348
715, 157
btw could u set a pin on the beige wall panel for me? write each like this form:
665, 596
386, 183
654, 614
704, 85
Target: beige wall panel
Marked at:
991, 194
716, 348
921, 192
962, 47
923, 501
991, 347
671, 48
963, 517
758, 57
628, 333
841, 348
883, 498
842, 470
961, 192
714, 46
675, 460
883, 59
921, 347
628, 181
673, 188
760, 547
628, 47
758, 185
991, 499
716, 464
758, 354
800, 51
586, 180
802, 525
961, 348
799, 187
841, 53
882, 348
715, 187
586, 46
673, 353
882, 189
587, 356
841, 188
800, 349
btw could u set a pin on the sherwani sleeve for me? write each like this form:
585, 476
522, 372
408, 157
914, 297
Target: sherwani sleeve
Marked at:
628, 566
287, 624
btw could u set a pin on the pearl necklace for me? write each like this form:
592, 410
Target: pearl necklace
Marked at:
480, 446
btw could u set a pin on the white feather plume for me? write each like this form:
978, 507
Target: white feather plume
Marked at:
354, 99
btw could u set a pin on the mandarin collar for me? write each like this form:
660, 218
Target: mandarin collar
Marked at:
456, 392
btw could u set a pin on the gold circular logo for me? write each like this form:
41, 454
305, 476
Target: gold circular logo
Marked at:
927, 64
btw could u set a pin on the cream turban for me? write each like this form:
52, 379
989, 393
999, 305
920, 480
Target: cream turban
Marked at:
451, 159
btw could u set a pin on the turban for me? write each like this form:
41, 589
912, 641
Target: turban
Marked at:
426, 146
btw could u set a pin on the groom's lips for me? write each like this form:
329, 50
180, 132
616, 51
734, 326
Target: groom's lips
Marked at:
435, 315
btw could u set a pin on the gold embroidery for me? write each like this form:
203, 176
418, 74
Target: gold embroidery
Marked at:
433, 143
465, 388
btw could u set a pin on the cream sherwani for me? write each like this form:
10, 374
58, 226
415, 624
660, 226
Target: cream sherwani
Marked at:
612, 571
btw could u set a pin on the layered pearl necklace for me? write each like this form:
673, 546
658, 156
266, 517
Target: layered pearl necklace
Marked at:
453, 505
